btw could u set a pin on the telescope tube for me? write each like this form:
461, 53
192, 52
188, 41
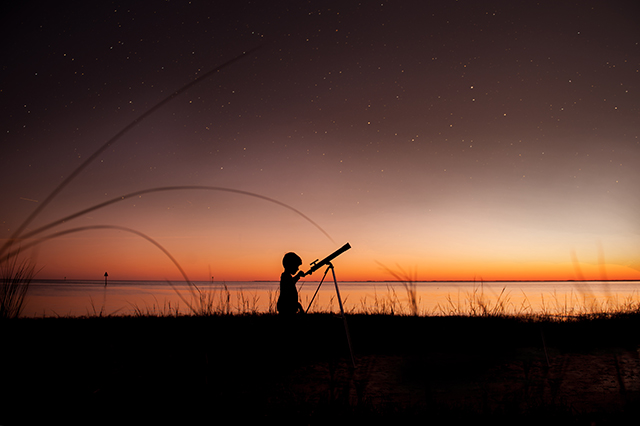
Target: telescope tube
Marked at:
317, 265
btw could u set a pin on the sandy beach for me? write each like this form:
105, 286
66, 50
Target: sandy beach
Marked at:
416, 370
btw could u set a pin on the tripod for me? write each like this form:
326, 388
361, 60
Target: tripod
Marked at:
344, 318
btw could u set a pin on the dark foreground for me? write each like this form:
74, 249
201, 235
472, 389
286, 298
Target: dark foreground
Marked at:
263, 369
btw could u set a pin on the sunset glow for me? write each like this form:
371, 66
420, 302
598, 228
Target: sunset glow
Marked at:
454, 141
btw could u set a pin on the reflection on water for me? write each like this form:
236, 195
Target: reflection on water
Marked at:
80, 298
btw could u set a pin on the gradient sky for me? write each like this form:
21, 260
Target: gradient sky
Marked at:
455, 140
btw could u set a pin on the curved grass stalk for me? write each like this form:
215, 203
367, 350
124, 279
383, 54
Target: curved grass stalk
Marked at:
133, 231
169, 188
110, 142
14, 284
409, 282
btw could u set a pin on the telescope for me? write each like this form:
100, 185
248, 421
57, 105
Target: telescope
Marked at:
315, 265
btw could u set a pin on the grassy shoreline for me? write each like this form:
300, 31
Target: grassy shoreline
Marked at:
437, 370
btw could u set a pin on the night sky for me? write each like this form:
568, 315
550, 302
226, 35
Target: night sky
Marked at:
455, 140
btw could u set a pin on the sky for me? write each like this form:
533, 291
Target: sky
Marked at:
448, 140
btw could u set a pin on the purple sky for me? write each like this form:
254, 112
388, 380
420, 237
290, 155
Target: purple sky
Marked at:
458, 139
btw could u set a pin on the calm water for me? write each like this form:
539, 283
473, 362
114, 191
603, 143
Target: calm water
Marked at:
78, 298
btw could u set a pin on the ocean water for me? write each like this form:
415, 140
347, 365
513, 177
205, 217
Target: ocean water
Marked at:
83, 297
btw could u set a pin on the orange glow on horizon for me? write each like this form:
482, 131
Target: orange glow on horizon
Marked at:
134, 261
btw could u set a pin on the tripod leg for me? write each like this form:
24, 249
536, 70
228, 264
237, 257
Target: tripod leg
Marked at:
344, 318
314, 294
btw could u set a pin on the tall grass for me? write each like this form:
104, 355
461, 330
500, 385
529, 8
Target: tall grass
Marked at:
387, 304
408, 280
217, 300
16, 277
555, 307
480, 300
477, 303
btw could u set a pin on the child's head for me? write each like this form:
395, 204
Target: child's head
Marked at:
291, 262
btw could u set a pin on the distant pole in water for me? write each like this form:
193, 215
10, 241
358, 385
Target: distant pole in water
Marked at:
105, 279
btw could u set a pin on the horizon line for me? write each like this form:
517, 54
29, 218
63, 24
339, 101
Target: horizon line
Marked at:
317, 281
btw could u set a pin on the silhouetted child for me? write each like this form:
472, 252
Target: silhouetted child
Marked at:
288, 301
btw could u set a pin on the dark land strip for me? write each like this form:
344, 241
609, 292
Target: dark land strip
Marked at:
263, 368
